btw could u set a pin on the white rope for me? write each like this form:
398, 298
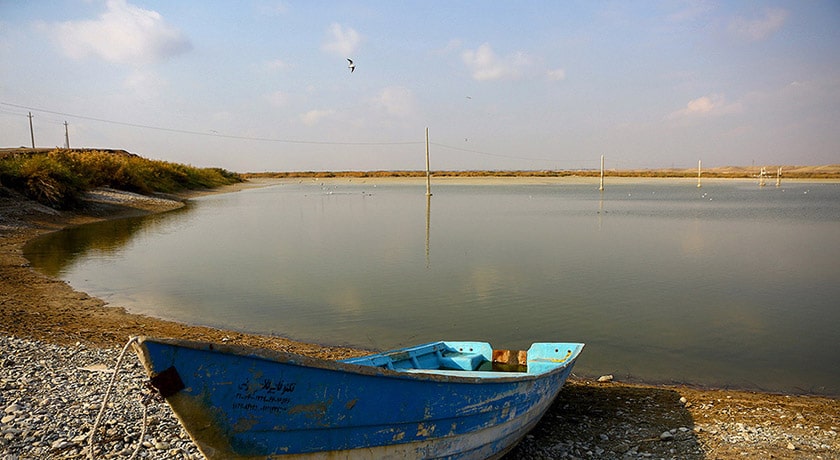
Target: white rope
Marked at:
105, 404
142, 433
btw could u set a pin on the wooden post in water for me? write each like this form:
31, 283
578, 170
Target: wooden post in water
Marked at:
601, 188
699, 170
779, 177
428, 172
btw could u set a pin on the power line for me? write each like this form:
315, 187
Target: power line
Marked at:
12, 112
208, 134
216, 134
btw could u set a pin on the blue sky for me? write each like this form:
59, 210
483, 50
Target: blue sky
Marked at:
264, 85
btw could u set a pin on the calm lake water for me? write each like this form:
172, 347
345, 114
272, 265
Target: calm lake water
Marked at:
731, 284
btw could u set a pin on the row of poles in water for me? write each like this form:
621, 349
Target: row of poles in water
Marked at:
762, 176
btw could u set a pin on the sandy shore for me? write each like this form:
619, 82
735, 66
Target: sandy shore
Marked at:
589, 419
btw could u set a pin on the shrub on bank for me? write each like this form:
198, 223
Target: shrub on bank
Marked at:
58, 178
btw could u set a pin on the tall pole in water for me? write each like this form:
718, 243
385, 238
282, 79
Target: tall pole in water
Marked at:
699, 169
428, 172
602, 174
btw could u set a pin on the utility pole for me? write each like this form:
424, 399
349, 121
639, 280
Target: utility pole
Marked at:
66, 136
601, 188
428, 171
31, 131
699, 170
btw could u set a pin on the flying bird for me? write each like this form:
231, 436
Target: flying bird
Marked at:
351, 66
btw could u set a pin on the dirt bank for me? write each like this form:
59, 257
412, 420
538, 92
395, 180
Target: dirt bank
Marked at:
589, 419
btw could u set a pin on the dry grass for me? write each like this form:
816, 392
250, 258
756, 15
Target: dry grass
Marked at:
58, 178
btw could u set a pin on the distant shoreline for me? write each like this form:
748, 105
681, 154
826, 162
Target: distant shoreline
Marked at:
593, 181
725, 172
830, 171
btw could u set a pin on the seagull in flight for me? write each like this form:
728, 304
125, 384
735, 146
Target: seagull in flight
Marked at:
351, 66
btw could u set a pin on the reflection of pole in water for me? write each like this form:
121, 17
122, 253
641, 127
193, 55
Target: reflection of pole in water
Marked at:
600, 211
601, 200
428, 220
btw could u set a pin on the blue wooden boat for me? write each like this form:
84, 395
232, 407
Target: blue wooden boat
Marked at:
437, 400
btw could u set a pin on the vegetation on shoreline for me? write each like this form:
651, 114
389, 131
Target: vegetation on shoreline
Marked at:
729, 172
59, 177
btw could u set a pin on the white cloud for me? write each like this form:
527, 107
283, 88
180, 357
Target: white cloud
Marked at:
124, 34
485, 65
702, 105
397, 101
556, 74
314, 117
342, 41
706, 106
760, 28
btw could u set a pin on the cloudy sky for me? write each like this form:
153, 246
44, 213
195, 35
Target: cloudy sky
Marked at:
264, 85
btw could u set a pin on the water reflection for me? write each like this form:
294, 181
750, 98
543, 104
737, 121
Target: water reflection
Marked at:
428, 227
53, 253
730, 284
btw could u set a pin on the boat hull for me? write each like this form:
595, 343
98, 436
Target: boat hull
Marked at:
254, 404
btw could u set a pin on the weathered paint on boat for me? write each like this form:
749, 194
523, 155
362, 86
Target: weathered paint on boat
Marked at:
430, 401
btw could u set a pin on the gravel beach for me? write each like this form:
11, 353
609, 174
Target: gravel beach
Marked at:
59, 347
50, 396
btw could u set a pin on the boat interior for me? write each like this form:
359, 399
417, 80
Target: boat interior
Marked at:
448, 356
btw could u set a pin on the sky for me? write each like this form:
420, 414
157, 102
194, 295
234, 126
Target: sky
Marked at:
264, 85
